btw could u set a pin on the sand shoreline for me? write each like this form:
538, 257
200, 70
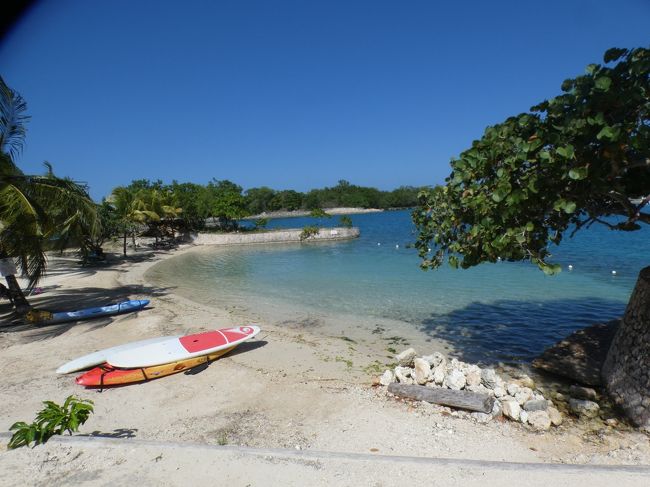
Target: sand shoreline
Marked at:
291, 388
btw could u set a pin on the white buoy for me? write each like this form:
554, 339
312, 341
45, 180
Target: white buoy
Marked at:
499, 259
397, 246
429, 249
613, 273
570, 267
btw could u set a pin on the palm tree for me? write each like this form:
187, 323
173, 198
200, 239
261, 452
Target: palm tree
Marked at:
131, 209
37, 213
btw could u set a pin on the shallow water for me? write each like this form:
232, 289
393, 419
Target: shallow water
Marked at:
494, 312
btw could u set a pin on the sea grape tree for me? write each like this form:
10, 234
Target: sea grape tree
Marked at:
580, 158
570, 162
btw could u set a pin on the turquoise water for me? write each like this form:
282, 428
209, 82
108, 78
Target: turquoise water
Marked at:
494, 312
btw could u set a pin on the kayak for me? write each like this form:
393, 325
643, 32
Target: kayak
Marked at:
47, 318
107, 375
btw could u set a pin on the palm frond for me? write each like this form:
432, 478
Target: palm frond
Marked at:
12, 120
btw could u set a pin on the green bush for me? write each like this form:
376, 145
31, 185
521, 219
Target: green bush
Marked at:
308, 231
261, 222
346, 221
51, 420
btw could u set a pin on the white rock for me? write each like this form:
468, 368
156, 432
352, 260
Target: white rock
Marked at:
405, 359
555, 416
499, 391
539, 420
473, 378
403, 375
511, 409
512, 388
523, 416
497, 408
523, 395
439, 374
422, 371
387, 378
455, 380
435, 359
526, 381
489, 378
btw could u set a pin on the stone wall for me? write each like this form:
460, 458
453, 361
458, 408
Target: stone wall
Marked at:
626, 372
277, 236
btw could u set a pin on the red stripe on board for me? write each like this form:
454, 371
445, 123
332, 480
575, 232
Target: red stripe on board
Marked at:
202, 341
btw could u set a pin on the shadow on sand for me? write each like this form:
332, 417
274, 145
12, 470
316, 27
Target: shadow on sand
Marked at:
73, 299
516, 331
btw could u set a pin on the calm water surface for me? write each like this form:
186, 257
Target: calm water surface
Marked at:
505, 311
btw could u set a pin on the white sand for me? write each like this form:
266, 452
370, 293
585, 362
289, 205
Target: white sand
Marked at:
289, 388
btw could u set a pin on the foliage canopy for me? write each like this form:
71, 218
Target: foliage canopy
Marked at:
574, 160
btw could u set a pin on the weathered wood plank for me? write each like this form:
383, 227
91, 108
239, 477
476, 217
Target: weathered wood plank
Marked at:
472, 401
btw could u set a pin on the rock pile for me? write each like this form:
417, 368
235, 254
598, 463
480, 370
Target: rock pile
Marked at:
518, 400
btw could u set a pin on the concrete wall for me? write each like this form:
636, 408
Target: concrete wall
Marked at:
277, 236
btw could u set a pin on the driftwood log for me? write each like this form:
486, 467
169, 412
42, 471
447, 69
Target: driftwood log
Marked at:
472, 401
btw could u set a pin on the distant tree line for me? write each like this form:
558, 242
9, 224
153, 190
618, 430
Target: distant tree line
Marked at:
165, 208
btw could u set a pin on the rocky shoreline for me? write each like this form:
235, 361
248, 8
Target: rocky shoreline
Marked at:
517, 399
298, 213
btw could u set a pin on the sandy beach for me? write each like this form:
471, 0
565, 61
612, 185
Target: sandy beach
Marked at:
294, 389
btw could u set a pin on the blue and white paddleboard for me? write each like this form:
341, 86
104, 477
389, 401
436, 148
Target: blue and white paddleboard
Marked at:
89, 313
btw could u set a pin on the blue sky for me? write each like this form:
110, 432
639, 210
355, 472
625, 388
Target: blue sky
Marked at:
291, 94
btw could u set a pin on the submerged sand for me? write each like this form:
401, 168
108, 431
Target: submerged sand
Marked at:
303, 384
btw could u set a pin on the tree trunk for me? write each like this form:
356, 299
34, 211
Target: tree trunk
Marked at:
124, 244
17, 296
626, 372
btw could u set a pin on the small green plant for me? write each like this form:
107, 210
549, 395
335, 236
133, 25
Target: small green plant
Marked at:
319, 213
346, 221
308, 231
52, 420
261, 223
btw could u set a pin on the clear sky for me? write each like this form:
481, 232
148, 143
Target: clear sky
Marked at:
291, 94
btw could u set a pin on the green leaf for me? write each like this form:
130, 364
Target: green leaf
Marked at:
530, 226
603, 83
569, 207
608, 133
613, 54
499, 195
550, 269
578, 173
567, 151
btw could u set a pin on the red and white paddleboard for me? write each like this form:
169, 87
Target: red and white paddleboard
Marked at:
181, 348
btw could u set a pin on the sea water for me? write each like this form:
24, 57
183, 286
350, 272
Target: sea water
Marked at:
494, 312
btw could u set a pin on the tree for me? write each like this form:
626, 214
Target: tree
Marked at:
36, 212
227, 202
131, 210
580, 158
258, 199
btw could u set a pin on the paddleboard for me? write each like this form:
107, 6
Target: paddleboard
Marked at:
100, 356
47, 318
106, 375
181, 348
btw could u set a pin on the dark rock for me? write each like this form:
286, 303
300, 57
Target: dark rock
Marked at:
581, 355
536, 405
583, 392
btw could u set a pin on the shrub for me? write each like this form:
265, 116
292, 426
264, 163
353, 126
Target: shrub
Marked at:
308, 232
51, 420
346, 221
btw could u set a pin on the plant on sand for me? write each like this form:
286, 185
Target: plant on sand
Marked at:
52, 420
